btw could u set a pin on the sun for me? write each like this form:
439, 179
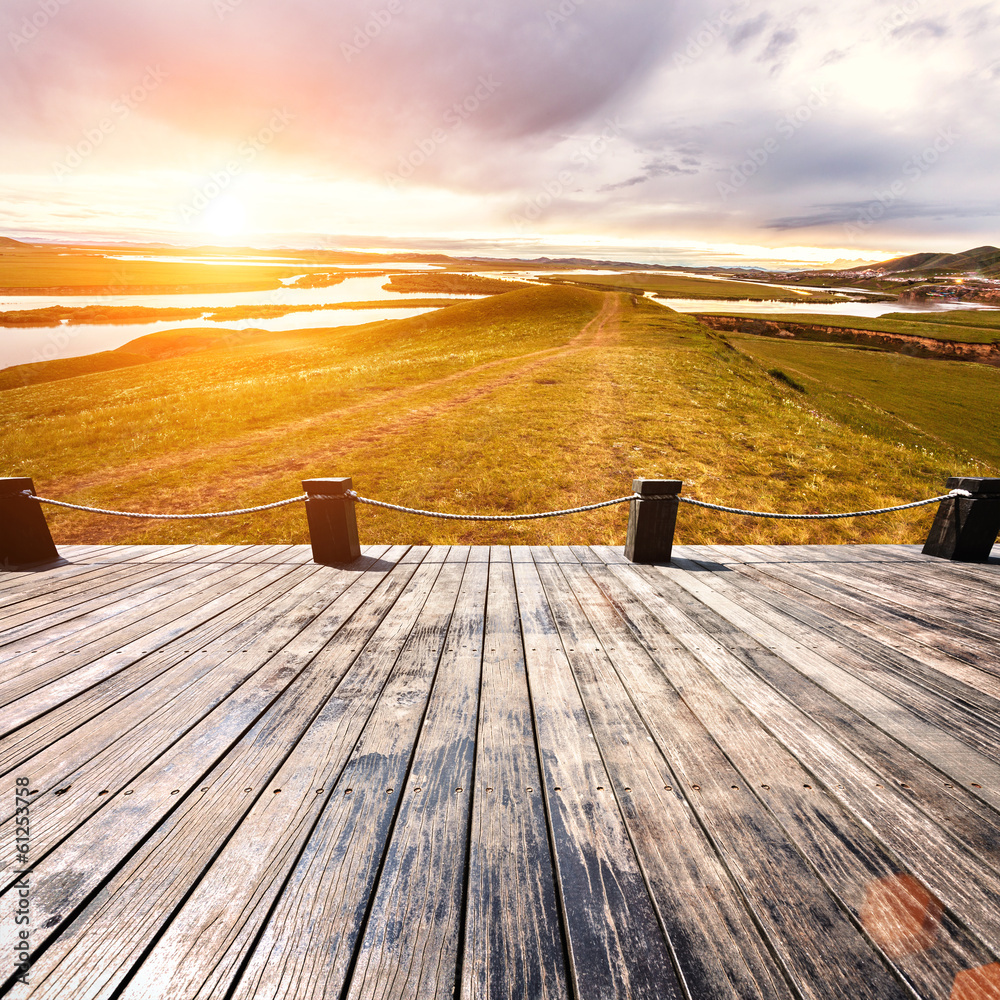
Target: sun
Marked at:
226, 216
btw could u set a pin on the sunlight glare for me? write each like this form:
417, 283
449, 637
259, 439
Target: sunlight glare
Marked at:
226, 216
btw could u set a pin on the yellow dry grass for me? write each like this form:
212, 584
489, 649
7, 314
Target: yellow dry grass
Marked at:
532, 400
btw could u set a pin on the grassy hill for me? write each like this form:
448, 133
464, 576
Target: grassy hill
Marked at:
984, 260
922, 404
532, 400
970, 326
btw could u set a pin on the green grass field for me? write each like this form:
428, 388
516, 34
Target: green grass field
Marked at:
674, 286
969, 326
537, 399
929, 405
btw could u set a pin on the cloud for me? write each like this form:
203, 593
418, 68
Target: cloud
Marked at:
925, 28
850, 212
781, 40
355, 75
745, 32
497, 102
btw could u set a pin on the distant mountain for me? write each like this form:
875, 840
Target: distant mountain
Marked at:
6, 243
983, 260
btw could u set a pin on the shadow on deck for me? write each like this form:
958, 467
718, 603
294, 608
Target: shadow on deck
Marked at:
509, 772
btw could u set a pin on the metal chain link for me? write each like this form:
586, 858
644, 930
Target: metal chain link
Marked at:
165, 517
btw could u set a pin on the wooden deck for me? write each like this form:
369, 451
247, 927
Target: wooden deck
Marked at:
512, 773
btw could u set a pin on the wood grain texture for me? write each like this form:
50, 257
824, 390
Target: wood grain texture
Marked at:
501, 772
308, 945
411, 939
715, 942
844, 857
616, 944
927, 850
822, 951
84, 861
513, 935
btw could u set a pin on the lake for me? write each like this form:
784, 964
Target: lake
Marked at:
21, 345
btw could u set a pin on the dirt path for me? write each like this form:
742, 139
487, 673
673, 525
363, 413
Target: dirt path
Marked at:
601, 331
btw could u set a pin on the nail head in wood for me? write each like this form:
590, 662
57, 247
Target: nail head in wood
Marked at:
25, 541
650, 535
333, 526
965, 529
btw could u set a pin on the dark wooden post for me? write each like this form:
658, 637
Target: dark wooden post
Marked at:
966, 528
333, 528
650, 536
24, 535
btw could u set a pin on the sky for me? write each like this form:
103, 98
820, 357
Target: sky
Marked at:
758, 131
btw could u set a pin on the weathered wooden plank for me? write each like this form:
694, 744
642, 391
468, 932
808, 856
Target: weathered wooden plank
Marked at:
948, 803
39, 716
600, 553
946, 752
616, 946
934, 855
107, 607
541, 554
896, 621
717, 946
513, 937
411, 939
226, 918
215, 553
76, 597
963, 636
102, 755
980, 628
16, 587
845, 857
123, 847
298, 554
563, 554
32, 672
956, 708
944, 581
308, 943
870, 621
822, 951
146, 634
